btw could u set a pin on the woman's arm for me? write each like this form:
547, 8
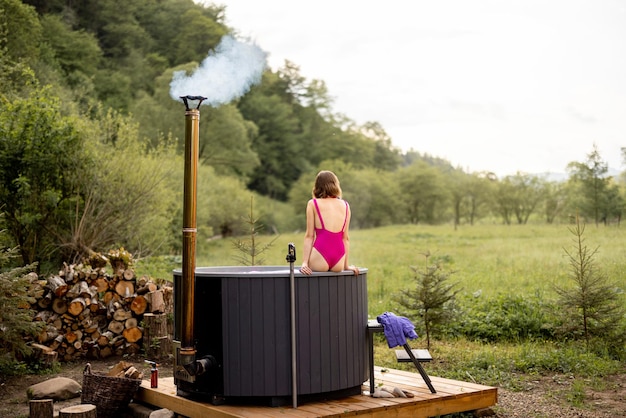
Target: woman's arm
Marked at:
309, 237
346, 243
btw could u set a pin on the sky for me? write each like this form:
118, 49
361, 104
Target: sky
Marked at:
489, 85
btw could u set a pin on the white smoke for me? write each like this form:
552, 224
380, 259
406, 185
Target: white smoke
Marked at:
226, 73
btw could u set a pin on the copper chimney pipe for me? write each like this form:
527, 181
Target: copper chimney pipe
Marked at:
192, 127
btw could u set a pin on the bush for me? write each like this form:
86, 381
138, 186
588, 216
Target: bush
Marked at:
503, 318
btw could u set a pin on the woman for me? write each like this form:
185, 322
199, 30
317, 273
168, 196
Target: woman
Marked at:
326, 242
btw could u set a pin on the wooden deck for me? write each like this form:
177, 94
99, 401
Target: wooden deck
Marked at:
452, 396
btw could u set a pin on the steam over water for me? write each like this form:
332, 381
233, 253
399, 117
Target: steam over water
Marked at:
226, 73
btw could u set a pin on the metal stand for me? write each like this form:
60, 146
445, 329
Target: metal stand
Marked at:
291, 258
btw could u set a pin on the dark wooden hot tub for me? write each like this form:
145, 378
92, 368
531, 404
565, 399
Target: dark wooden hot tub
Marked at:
242, 320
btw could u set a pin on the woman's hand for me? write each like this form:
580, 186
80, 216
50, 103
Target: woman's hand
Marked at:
355, 269
305, 269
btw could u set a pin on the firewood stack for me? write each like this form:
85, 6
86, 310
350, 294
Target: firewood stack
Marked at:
89, 313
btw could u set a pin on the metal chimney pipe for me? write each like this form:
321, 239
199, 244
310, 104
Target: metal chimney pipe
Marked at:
192, 126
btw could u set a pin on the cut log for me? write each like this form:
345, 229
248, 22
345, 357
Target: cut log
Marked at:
57, 322
106, 352
101, 284
45, 353
130, 323
46, 301
125, 288
105, 339
41, 408
47, 334
131, 348
73, 336
57, 285
76, 290
89, 325
116, 327
56, 343
93, 352
119, 369
139, 305
146, 288
132, 335
141, 281
122, 314
83, 410
110, 297
129, 274
43, 316
168, 297
133, 373
77, 306
157, 342
157, 303
59, 305
36, 288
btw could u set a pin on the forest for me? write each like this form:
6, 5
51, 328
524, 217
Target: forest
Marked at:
91, 155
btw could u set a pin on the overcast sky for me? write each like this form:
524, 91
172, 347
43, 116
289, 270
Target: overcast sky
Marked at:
497, 85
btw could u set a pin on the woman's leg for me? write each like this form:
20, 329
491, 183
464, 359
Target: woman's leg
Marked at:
317, 262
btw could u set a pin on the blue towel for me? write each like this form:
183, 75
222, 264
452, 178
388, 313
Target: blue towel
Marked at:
397, 329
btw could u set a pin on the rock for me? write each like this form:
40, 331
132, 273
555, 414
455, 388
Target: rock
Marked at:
399, 393
162, 413
382, 394
58, 388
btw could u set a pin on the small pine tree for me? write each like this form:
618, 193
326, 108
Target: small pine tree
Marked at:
592, 306
249, 251
16, 316
430, 297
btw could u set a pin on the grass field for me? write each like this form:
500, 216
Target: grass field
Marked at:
491, 259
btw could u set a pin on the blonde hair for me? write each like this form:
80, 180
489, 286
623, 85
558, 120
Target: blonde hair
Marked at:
326, 185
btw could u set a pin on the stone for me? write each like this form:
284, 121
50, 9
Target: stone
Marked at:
58, 388
162, 413
382, 394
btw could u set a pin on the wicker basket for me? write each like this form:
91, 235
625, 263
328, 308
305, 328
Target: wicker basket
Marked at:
109, 394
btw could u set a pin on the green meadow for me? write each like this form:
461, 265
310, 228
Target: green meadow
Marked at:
486, 259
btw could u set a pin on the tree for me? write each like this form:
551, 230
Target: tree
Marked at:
592, 180
250, 251
430, 297
197, 35
555, 200
372, 195
423, 192
124, 198
21, 31
41, 157
480, 194
277, 145
518, 197
592, 307
76, 52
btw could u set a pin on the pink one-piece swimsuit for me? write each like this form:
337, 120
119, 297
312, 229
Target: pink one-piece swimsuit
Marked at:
330, 244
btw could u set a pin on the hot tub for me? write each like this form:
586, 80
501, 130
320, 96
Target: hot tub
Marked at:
242, 322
